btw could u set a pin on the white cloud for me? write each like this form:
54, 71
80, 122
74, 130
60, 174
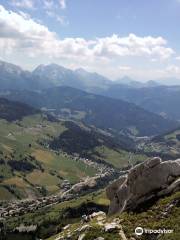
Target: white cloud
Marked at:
173, 69
21, 37
62, 4
133, 46
23, 3
61, 19
178, 58
51, 10
24, 15
48, 4
54, 4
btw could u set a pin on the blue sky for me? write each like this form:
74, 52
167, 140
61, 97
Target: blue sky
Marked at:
113, 37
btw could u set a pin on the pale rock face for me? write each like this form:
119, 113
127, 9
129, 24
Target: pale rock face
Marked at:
82, 236
110, 227
84, 227
66, 227
97, 214
152, 178
99, 238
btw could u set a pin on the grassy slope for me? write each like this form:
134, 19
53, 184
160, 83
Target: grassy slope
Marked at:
51, 220
14, 144
119, 158
24, 138
151, 218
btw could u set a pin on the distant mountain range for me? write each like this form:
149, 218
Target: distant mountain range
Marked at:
151, 83
53, 75
168, 81
115, 115
163, 100
136, 84
46, 76
152, 95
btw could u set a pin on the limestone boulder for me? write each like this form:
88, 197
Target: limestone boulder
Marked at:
152, 178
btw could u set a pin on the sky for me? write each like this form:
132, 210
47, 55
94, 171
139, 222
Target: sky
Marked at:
116, 38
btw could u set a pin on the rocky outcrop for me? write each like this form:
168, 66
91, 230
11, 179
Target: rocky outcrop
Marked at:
150, 179
98, 227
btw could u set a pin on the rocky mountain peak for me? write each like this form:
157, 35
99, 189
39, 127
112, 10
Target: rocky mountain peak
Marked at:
10, 68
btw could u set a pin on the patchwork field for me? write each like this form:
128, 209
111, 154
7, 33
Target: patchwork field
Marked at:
119, 158
27, 165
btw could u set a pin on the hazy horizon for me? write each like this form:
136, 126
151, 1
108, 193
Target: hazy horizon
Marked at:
124, 77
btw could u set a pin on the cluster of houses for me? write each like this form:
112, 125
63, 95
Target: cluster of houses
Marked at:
17, 208
20, 207
100, 167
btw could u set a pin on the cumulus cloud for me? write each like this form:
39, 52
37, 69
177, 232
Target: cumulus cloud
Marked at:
28, 33
20, 35
133, 46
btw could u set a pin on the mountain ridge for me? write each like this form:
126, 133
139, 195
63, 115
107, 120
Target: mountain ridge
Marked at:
155, 98
161, 100
55, 75
12, 111
95, 110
